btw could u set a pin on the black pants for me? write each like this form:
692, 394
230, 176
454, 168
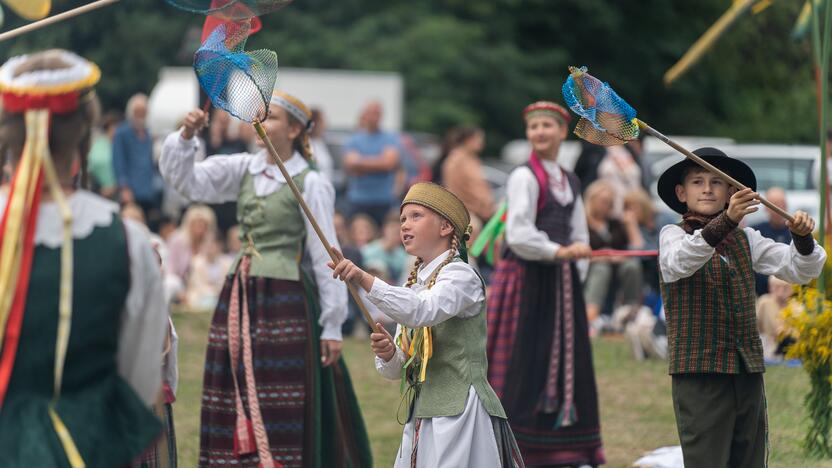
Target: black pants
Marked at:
721, 419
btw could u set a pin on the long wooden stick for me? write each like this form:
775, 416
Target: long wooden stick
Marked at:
710, 167
55, 19
261, 132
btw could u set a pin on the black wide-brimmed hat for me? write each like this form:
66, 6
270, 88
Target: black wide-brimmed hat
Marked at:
673, 175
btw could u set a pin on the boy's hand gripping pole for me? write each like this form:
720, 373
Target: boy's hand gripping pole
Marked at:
710, 167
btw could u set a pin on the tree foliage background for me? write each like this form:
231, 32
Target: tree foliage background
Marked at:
480, 62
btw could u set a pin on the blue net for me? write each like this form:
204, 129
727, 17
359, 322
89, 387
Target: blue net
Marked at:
230, 9
606, 119
239, 82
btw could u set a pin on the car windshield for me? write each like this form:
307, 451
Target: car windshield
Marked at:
789, 174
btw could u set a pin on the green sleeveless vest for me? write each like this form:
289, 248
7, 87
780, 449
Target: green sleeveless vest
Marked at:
108, 422
459, 362
274, 226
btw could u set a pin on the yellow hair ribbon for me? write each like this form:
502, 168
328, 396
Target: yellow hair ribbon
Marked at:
37, 123
75, 460
427, 352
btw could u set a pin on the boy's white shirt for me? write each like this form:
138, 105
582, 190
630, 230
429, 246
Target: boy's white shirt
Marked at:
218, 179
464, 440
682, 254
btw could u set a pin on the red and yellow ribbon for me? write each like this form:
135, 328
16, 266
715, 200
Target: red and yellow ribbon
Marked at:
16, 255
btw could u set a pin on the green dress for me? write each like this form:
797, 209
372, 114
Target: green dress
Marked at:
108, 422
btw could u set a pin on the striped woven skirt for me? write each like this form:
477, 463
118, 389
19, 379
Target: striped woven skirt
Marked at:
162, 454
303, 415
540, 362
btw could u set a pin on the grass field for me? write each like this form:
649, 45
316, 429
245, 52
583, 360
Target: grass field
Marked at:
636, 410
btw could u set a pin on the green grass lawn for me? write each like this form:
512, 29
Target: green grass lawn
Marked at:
636, 411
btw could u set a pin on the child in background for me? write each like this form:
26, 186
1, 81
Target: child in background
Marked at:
387, 253
208, 270
363, 230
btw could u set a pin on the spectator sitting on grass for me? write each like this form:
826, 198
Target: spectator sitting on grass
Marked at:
199, 220
648, 223
617, 275
207, 275
769, 318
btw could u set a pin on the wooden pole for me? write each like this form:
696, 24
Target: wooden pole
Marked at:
261, 132
55, 19
824, 123
710, 167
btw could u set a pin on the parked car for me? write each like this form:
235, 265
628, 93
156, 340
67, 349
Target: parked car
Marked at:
794, 168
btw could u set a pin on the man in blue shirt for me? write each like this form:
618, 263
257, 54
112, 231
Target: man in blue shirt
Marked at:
371, 160
775, 229
136, 175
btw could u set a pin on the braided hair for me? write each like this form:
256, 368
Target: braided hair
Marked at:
411, 279
301, 143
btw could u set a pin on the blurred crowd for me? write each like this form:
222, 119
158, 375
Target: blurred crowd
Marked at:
376, 168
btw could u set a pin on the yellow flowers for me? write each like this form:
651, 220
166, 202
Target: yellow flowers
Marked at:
809, 322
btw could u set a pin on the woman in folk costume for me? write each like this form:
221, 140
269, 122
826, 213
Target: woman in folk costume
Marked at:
455, 419
276, 392
82, 338
538, 344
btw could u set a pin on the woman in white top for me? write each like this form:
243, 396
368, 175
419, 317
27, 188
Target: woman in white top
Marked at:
275, 389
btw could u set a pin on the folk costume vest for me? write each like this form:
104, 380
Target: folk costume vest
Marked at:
458, 362
272, 230
104, 416
711, 315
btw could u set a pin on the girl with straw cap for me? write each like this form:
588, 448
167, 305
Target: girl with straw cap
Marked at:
454, 419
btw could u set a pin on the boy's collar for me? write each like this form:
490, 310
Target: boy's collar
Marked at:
692, 218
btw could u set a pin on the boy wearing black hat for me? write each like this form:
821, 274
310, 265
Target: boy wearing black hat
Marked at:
707, 265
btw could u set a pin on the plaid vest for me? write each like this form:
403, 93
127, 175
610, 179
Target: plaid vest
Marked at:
711, 318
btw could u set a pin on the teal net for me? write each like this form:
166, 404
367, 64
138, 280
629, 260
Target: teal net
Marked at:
606, 119
230, 9
239, 82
